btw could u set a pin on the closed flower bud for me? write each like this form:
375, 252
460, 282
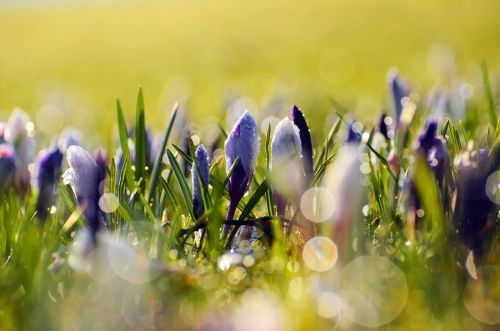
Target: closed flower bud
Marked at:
306, 143
201, 161
48, 172
7, 166
287, 175
18, 135
84, 176
433, 148
243, 142
398, 92
473, 208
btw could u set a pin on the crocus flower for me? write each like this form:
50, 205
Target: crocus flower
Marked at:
382, 127
2, 132
306, 143
17, 135
84, 176
353, 133
7, 166
243, 142
398, 92
286, 150
473, 208
48, 172
433, 148
200, 160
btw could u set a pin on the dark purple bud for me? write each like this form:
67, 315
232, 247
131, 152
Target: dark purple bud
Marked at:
48, 173
201, 159
473, 208
398, 92
243, 142
306, 143
354, 131
383, 128
7, 166
433, 148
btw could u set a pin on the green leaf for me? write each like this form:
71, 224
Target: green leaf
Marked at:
122, 130
489, 94
186, 192
140, 139
157, 166
252, 202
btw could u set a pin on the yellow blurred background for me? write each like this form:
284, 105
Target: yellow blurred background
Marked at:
83, 55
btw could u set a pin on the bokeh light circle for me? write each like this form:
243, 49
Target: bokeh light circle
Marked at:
50, 119
318, 204
108, 203
375, 289
320, 254
482, 295
493, 187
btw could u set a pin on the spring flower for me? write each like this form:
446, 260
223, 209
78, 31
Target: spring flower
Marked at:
398, 92
243, 142
48, 172
7, 166
473, 208
286, 150
354, 133
382, 126
201, 160
306, 143
433, 148
84, 176
18, 135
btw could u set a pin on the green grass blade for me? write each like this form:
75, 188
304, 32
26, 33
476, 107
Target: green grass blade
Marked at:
186, 192
140, 139
122, 130
489, 94
157, 166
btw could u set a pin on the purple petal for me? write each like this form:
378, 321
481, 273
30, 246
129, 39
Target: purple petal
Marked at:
305, 139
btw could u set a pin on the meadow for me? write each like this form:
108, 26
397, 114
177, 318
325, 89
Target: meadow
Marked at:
274, 171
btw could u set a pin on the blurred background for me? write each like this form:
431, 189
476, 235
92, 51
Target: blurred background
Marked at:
77, 57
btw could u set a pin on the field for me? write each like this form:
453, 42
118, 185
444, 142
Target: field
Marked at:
237, 166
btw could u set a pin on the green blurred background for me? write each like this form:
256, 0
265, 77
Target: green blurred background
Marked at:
81, 55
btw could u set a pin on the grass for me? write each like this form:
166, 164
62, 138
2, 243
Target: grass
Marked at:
157, 266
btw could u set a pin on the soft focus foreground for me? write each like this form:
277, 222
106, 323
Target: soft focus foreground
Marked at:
258, 225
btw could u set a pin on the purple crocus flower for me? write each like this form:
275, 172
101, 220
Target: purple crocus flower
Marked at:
353, 133
473, 208
7, 166
243, 142
398, 92
201, 160
18, 136
84, 176
306, 143
383, 128
2, 132
48, 172
433, 148
286, 149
